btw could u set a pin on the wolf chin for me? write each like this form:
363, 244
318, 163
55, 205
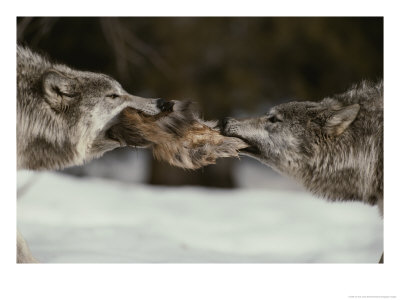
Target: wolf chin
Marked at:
333, 147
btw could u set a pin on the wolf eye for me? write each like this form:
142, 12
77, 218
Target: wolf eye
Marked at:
112, 96
69, 95
274, 119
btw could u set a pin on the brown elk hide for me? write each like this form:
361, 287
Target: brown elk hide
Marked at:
194, 144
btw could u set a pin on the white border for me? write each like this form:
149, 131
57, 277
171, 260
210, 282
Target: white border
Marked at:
201, 281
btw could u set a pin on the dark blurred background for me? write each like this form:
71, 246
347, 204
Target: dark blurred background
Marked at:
235, 66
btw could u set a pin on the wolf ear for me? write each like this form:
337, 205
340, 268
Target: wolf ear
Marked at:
59, 90
338, 122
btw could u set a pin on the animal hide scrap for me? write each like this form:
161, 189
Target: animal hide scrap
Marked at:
183, 139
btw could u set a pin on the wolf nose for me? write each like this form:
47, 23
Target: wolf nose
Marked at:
222, 123
165, 106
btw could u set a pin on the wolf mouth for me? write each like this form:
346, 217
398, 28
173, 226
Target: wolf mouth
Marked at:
130, 126
126, 135
118, 134
252, 149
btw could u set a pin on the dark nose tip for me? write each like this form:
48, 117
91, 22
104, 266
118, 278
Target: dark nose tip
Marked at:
223, 122
165, 106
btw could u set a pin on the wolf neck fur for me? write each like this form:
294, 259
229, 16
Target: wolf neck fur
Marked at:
351, 162
51, 128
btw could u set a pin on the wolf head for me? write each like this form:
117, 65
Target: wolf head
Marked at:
292, 134
64, 115
333, 147
91, 102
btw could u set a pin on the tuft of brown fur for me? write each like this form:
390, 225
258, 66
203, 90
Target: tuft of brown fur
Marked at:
191, 143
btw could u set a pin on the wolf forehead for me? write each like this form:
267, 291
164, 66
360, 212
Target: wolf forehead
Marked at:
95, 84
295, 109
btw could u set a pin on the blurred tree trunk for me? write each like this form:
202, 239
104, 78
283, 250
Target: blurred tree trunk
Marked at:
219, 175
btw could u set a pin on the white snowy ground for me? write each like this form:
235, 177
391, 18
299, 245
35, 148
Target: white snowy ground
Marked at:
67, 219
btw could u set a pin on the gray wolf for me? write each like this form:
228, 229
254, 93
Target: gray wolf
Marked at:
67, 117
333, 147
64, 117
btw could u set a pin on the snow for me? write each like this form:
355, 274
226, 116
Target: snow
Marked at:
67, 219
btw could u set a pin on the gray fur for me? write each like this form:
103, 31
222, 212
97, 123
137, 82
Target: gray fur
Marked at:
334, 147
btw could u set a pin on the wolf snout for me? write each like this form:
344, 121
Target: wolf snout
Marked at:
225, 123
165, 106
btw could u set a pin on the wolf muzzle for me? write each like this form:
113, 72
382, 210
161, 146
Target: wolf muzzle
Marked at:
165, 106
